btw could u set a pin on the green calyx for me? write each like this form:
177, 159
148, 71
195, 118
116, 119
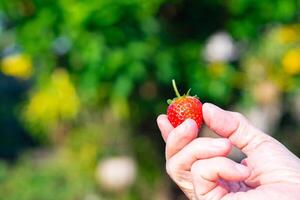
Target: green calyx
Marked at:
169, 101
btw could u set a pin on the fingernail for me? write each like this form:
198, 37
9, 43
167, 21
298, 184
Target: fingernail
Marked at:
242, 169
183, 125
220, 143
187, 124
191, 122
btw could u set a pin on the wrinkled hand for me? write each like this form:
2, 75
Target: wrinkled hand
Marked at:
199, 166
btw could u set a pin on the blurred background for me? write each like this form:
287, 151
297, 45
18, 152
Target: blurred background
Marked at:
82, 82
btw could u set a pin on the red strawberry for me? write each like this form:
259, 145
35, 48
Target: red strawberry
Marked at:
184, 107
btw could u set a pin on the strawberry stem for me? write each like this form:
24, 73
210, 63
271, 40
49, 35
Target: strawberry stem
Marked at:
175, 88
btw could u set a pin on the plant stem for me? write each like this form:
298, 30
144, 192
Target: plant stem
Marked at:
175, 88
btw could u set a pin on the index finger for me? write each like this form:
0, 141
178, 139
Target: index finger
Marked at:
164, 126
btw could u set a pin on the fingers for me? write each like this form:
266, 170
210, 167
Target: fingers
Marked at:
180, 137
206, 174
164, 125
200, 148
235, 127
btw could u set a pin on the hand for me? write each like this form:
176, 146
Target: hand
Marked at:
199, 166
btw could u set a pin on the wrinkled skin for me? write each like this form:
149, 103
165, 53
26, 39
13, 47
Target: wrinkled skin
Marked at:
199, 165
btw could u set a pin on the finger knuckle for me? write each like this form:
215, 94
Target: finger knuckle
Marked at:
195, 143
239, 116
260, 142
170, 168
197, 166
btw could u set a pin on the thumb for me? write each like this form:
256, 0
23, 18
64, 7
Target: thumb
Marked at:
236, 127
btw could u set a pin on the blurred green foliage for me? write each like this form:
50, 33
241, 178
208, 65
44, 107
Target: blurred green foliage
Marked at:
100, 72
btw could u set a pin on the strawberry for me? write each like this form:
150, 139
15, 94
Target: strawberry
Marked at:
184, 107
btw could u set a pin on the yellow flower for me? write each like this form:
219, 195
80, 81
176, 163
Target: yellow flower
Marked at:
63, 89
291, 62
288, 34
57, 100
18, 65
